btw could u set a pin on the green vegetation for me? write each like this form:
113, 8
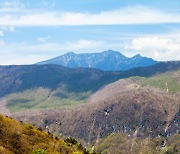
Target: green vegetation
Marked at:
121, 143
20, 138
110, 140
27, 99
42, 98
39, 151
74, 142
61, 98
166, 81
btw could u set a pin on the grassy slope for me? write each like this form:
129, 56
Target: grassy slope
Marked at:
165, 81
42, 98
27, 99
16, 137
121, 143
61, 98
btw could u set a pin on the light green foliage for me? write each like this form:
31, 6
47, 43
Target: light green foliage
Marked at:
26, 100
163, 81
121, 143
110, 140
42, 98
62, 98
39, 151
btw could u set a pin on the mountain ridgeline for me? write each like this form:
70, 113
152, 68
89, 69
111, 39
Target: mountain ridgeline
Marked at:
24, 77
108, 60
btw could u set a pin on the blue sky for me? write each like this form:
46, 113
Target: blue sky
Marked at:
32, 31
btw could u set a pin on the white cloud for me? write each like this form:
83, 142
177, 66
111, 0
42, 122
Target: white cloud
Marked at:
29, 54
159, 48
48, 48
10, 4
11, 7
43, 39
4, 29
1, 33
129, 15
11, 29
1, 43
49, 4
15, 59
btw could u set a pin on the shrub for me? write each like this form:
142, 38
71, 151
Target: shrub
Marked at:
39, 151
71, 140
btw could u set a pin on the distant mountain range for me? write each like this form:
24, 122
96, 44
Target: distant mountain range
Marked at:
107, 60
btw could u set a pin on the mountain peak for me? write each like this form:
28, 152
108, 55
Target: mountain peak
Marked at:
108, 60
112, 52
70, 53
137, 56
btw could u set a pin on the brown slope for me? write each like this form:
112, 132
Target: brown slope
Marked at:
123, 106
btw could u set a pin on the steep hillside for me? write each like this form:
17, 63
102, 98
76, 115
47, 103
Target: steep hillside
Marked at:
52, 86
20, 138
123, 106
108, 60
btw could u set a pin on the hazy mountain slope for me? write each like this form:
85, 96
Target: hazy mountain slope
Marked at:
123, 106
20, 78
52, 86
20, 138
107, 60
